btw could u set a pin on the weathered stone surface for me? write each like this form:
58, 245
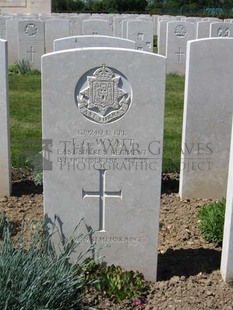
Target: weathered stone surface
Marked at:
103, 133
207, 118
92, 41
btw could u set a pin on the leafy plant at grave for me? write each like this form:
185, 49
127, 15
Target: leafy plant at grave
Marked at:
211, 220
34, 276
116, 283
22, 67
13, 69
36, 164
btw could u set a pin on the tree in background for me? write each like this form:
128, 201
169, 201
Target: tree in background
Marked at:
140, 6
59, 6
99, 6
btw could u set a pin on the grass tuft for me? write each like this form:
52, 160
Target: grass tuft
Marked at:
211, 220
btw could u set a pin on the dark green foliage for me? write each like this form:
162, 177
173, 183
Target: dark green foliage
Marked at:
173, 123
116, 283
67, 5
173, 7
34, 276
22, 67
211, 218
25, 117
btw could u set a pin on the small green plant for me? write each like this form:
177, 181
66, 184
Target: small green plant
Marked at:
35, 163
24, 66
116, 283
35, 276
13, 69
211, 220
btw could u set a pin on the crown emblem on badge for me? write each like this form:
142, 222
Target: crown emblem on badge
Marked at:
103, 100
103, 73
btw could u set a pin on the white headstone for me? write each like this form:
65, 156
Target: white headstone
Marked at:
223, 30
3, 27
92, 41
162, 37
92, 107
96, 27
155, 21
5, 163
31, 42
227, 246
11, 35
178, 34
117, 25
228, 20
203, 29
76, 26
142, 33
193, 19
55, 29
207, 118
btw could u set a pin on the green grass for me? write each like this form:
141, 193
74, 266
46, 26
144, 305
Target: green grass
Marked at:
25, 119
173, 123
211, 220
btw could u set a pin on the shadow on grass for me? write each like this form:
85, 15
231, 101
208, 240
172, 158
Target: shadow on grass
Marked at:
187, 262
26, 187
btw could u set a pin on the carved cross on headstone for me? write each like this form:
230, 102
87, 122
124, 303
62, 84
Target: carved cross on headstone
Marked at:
31, 52
179, 54
101, 194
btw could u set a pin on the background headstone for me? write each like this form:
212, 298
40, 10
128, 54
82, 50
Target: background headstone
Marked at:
31, 42
92, 41
12, 40
223, 30
207, 118
113, 179
55, 29
96, 27
142, 33
162, 37
203, 29
178, 34
5, 163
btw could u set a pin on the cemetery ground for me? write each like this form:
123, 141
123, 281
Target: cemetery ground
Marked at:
188, 266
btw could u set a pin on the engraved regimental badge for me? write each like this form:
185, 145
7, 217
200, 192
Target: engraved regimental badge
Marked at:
223, 32
31, 30
180, 31
103, 97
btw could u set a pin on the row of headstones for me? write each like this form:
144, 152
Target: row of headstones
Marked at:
36, 37
174, 35
114, 172
104, 164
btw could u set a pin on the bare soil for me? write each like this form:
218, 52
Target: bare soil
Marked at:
188, 266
